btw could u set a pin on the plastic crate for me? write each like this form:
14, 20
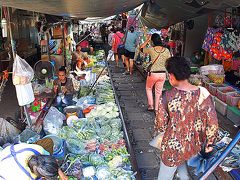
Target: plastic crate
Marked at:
233, 114
213, 99
233, 98
213, 88
222, 92
217, 78
206, 84
220, 106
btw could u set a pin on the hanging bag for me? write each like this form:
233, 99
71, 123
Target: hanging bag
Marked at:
151, 63
22, 77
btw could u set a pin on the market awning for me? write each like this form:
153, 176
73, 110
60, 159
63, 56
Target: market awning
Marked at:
161, 13
75, 8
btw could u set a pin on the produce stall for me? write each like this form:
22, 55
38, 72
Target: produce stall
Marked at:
90, 138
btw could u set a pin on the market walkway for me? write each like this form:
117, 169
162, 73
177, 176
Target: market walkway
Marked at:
139, 122
133, 101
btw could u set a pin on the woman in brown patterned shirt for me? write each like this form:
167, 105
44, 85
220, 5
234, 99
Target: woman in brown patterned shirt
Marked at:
186, 117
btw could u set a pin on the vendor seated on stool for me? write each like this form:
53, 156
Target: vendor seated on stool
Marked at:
63, 87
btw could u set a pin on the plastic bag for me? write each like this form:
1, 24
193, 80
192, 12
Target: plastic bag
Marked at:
86, 100
25, 94
22, 72
53, 121
110, 56
8, 131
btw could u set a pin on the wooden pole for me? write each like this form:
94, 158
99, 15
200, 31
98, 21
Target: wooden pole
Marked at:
48, 48
64, 44
29, 121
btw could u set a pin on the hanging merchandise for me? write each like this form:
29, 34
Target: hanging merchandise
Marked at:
209, 38
229, 41
215, 49
4, 27
22, 72
22, 77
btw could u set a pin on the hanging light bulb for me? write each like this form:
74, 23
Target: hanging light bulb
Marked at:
4, 27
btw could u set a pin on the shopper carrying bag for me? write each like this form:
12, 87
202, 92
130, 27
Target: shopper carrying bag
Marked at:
187, 120
156, 70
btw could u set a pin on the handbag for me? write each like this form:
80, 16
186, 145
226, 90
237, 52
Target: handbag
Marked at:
149, 66
157, 141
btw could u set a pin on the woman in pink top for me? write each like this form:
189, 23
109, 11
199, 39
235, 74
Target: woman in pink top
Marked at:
116, 41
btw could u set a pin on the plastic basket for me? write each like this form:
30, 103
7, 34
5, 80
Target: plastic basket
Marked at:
221, 107
215, 69
233, 114
213, 88
59, 148
233, 98
28, 134
217, 78
222, 92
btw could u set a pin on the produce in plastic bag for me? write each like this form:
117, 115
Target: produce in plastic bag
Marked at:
75, 146
110, 56
53, 121
89, 171
73, 167
67, 133
86, 100
22, 72
7, 131
103, 173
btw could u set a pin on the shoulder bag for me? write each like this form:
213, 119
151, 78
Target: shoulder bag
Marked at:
149, 67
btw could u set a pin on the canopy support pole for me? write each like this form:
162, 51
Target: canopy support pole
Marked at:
29, 121
64, 44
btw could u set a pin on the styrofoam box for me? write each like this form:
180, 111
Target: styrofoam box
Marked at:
220, 106
233, 117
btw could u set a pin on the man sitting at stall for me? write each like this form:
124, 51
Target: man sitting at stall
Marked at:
63, 87
28, 161
78, 55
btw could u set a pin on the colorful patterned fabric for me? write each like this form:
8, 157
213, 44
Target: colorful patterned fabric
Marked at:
209, 37
229, 41
187, 120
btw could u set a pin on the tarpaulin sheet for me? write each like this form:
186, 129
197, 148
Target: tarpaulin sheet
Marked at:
160, 13
75, 8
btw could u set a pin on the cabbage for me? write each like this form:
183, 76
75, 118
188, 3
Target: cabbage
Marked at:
67, 133
75, 146
96, 159
103, 173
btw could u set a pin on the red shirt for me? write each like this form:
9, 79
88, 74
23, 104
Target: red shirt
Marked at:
84, 44
117, 40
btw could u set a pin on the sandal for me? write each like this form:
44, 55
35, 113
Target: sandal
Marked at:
150, 108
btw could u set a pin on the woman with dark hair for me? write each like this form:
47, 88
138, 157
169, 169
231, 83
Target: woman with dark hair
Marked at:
157, 73
117, 39
28, 162
186, 120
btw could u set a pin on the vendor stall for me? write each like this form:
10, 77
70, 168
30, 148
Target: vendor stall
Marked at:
90, 138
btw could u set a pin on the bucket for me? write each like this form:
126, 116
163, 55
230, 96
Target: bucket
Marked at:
59, 148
